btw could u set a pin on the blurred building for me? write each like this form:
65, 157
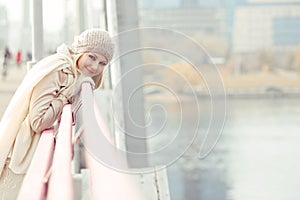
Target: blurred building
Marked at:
273, 26
186, 16
246, 25
187, 20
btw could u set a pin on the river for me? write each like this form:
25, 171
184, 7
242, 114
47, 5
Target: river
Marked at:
257, 155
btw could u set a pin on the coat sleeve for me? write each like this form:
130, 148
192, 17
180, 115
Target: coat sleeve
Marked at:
47, 101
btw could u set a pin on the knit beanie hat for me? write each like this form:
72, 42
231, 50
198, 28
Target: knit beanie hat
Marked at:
94, 40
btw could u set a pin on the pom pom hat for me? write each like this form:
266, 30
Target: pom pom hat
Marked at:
94, 40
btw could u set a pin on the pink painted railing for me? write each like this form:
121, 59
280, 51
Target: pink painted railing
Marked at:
105, 182
35, 182
49, 175
61, 182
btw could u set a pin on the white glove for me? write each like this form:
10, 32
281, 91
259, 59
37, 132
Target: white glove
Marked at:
80, 81
76, 93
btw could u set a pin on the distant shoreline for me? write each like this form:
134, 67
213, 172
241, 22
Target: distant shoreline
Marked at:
267, 92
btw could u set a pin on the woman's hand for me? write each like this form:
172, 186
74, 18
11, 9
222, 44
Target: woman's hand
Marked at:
80, 81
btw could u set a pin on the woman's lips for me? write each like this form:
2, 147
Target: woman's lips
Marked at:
90, 71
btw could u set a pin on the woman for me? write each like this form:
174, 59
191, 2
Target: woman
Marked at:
39, 100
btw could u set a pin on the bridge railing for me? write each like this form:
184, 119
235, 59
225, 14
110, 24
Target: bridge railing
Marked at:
51, 174
107, 182
34, 186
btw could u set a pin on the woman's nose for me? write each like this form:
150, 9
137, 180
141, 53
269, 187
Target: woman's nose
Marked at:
94, 66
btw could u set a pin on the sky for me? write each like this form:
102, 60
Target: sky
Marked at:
53, 12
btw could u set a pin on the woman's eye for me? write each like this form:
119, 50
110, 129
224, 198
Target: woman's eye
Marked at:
102, 63
92, 57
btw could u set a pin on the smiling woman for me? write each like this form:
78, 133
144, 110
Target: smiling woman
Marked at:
38, 102
92, 64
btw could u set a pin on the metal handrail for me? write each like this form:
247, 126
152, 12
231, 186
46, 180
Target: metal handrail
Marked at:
49, 174
52, 160
96, 133
35, 182
61, 181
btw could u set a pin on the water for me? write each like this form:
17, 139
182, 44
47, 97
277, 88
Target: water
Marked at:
257, 156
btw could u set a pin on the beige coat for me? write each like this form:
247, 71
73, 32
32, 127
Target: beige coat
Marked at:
35, 106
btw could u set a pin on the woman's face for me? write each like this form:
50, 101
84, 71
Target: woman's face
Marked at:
91, 64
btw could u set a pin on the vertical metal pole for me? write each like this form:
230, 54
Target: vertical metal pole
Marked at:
103, 24
81, 17
37, 32
26, 44
66, 23
115, 73
132, 78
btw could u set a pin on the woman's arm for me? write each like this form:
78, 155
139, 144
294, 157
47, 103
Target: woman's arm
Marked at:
47, 100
